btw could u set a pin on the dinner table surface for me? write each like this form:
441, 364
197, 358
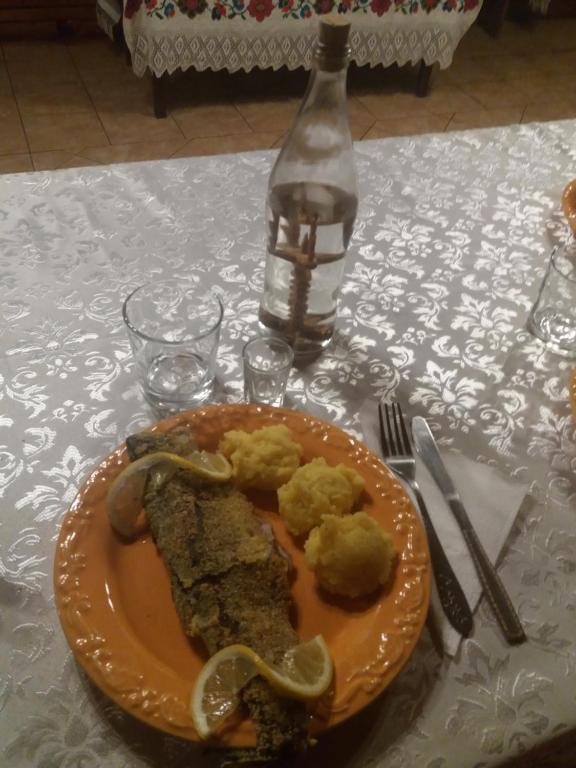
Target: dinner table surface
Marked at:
451, 242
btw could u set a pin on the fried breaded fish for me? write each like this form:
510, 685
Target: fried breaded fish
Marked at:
230, 583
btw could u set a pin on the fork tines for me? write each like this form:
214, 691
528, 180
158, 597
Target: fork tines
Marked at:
394, 436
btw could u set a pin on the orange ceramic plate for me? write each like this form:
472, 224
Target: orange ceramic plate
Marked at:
569, 204
118, 616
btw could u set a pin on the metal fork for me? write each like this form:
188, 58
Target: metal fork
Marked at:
397, 451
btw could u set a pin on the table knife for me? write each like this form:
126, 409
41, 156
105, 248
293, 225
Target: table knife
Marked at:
491, 583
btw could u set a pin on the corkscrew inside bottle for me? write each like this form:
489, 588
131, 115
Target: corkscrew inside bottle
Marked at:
309, 229
300, 281
311, 206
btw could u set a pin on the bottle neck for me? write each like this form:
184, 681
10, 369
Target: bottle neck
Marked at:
327, 87
330, 59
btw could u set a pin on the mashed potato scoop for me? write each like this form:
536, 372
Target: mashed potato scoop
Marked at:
351, 556
264, 459
317, 489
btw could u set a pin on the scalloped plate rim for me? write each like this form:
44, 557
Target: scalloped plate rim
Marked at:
147, 711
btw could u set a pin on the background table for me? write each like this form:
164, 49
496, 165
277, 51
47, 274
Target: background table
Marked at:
450, 246
166, 35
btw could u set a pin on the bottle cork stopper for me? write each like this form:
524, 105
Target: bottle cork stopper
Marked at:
333, 33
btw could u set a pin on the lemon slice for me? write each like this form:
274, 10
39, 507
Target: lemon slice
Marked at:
124, 500
305, 673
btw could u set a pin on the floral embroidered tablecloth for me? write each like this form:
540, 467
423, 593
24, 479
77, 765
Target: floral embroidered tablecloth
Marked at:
166, 35
451, 242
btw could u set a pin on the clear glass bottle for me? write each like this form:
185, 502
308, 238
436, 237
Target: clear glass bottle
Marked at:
311, 206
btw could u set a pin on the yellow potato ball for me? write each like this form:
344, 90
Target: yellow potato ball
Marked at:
317, 489
351, 556
264, 459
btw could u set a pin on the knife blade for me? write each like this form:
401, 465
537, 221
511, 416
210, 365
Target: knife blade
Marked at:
495, 591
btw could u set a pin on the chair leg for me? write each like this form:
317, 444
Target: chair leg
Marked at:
159, 89
424, 78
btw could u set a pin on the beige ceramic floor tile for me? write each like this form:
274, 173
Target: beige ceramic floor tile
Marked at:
279, 116
556, 35
210, 120
5, 87
361, 120
497, 95
359, 131
475, 69
386, 106
478, 43
511, 65
132, 95
67, 132
565, 82
110, 71
32, 52
559, 63
553, 110
516, 39
544, 36
52, 161
443, 100
127, 153
93, 53
130, 92
55, 100
12, 136
484, 118
561, 30
34, 65
408, 126
131, 126
186, 89
267, 116
15, 163
127, 113
35, 76
8, 108
443, 77
228, 144
539, 87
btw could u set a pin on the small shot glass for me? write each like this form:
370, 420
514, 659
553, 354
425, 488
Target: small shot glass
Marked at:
267, 362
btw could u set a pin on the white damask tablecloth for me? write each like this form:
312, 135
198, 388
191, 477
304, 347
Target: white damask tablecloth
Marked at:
450, 246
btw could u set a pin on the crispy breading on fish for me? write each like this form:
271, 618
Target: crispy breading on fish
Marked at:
230, 582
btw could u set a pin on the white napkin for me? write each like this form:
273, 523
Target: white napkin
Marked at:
491, 500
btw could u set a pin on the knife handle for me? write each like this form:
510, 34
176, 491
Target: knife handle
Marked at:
494, 589
451, 595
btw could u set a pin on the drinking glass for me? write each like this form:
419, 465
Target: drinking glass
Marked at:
174, 329
553, 316
267, 362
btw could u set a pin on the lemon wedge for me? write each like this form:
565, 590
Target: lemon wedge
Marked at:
124, 500
305, 673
